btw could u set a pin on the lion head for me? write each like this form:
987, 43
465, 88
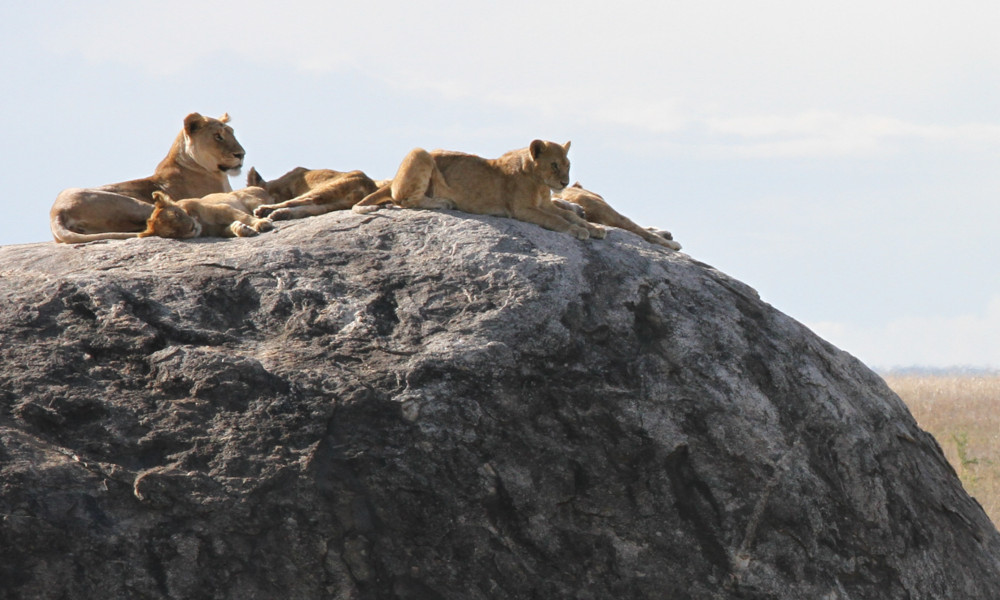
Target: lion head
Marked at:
549, 163
212, 144
169, 220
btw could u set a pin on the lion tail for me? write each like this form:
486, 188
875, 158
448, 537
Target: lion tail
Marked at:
64, 234
372, 201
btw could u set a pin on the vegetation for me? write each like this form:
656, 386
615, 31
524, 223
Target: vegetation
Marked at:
963, 413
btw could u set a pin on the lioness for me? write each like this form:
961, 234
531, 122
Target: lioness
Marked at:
225, 214
519, 184
200, 162
597, 210
304, 192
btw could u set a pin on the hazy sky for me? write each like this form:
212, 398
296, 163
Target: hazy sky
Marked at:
841, 158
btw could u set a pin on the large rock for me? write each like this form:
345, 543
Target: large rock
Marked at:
438, 405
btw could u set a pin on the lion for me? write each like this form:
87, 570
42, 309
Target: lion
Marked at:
518, 185
596, 210
202, 158
224, 214
306, 192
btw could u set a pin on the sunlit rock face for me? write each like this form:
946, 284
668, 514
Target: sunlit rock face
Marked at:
436, 405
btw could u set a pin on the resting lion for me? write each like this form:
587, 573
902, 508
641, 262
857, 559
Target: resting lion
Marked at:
200, 162
304, 192
226, 214
517, 185
596, 210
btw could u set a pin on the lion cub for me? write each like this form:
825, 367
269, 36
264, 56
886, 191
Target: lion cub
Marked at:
519, 184
596, 210
226, 214
304, 192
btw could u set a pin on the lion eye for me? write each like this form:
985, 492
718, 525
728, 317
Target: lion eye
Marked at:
555, 167
219, 138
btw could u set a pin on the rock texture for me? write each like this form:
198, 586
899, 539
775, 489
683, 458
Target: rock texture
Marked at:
442, 406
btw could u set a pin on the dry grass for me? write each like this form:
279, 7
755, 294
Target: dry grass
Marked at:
963, 414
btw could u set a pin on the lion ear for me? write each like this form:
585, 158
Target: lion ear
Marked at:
162, 200
566, 146
254, 179
192, 122
577, 185
536, 148
224, 118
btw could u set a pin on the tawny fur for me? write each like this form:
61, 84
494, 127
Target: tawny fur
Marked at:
518, 185
597, 210
225, 214
199, 162
306, 192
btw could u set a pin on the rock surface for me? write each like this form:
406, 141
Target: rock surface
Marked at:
443, 406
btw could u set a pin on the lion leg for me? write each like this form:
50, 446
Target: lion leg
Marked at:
436, 195
285, 213
598, 211
246, 225
334, 195
441, 193
549, 220
567, 205
338, 194
408, 187
658, 237
573, 217
609, 216
373, 201
418, 174
663, 233
428, 202
296, 208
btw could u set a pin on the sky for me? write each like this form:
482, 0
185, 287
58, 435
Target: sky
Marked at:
842, 158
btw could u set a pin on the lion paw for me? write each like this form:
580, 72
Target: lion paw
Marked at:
666, 243
579, 233
262, 225
263, 211
364, 210
663, 233
281, 214
567, 205
242, 230
597, 232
